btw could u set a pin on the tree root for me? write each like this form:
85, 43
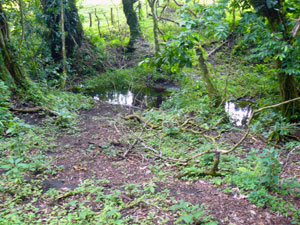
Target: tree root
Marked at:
141, 119
34, 110
218, 152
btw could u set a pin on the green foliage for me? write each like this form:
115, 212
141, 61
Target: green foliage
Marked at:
179, 52
265, 173
192, 214
274, 127
259, 178
212, 21
121, 79
270, 45
66, 105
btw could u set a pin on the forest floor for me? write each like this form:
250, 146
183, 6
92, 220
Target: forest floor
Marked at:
91, 153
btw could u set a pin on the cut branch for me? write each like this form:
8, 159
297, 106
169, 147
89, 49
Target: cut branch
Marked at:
164, 18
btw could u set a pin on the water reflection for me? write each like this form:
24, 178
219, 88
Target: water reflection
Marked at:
238, 113
141, 98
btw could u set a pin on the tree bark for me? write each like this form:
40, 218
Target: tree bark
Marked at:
132, 21
210, 87
73, 27
63, 43
155, 24
98, 23
288, 86
9, 56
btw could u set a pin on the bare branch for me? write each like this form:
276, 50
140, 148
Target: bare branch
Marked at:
296, 28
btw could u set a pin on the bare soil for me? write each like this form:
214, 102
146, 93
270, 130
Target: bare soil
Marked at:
85, 156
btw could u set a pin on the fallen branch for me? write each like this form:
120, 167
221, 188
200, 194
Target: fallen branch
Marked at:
68, 194
216, 49
223, 152
166, 19
141, 119
135, 141
250, 119
35, 109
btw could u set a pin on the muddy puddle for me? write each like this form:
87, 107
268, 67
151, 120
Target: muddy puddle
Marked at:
239, 112
144, 98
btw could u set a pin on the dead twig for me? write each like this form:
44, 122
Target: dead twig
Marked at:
166, 19
288, 158
296, 28
216, 49
135, 141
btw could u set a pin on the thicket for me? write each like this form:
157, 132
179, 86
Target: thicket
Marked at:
216, 52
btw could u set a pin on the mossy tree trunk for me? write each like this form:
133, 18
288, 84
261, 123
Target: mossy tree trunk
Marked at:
9, 57
72, 24
288, 86
152, 4
132, 21
210, 87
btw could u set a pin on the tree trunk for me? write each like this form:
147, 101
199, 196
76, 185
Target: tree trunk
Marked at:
155, 24
63, 43
9, 56
98, 23
91, 21
132, 21
211, 89
73, 27
288, 86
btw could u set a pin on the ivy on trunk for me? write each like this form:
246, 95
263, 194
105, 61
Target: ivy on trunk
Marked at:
9, 58
72, 24
288, 86
132, 21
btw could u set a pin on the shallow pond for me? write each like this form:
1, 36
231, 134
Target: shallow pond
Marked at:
143, 98
239, 112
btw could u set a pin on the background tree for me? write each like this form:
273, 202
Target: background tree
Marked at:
152, 4
132, 21
11, 66
279, 24
72, 24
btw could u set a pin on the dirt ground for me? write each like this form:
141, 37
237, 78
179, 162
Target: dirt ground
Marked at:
84, 157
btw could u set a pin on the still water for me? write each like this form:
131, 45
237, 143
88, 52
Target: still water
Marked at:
239, 113
143, 98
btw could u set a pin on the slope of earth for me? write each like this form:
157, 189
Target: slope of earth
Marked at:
96, 154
